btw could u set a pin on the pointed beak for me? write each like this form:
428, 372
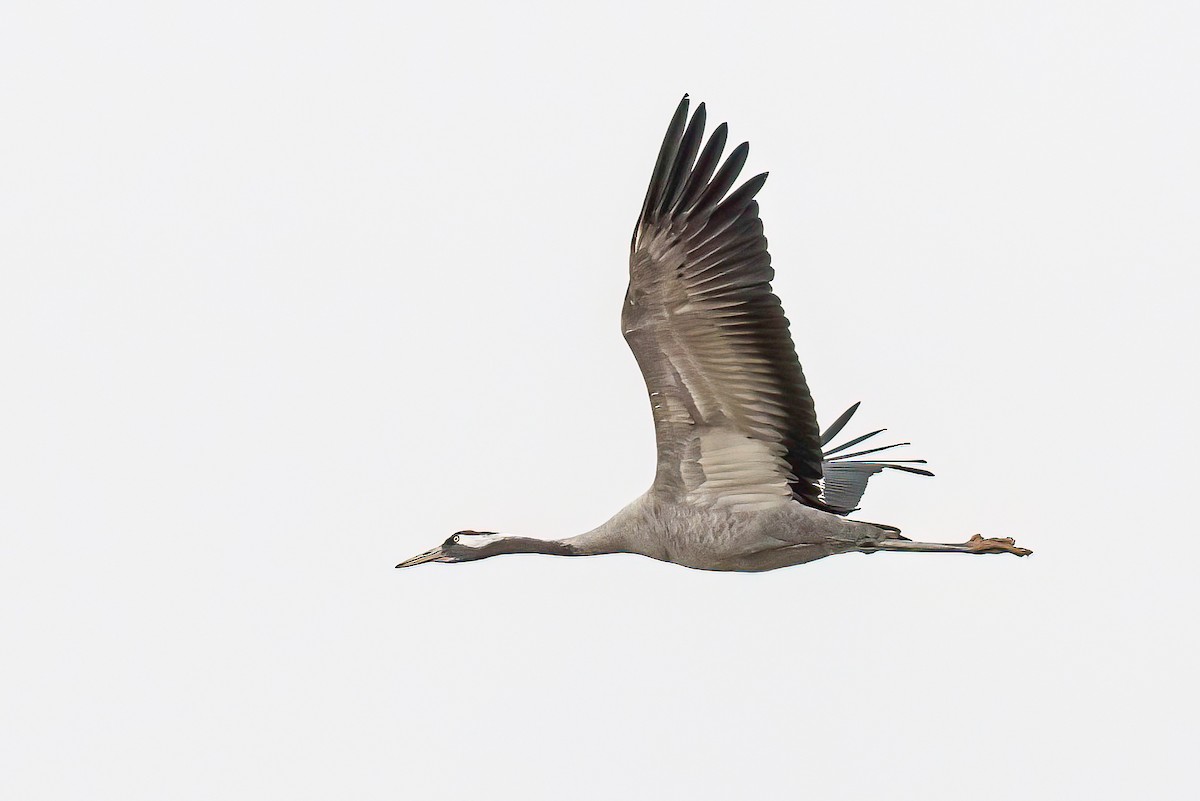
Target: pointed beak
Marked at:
420, 559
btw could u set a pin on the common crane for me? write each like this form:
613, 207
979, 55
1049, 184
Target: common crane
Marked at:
742, 482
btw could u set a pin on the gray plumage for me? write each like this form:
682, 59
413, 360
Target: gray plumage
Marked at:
742, 482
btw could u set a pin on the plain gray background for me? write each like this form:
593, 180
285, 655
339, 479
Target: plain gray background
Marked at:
293, 291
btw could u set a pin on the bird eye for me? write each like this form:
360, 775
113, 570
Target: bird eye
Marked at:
456, 538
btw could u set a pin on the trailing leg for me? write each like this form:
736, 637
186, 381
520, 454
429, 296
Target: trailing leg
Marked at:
976, 544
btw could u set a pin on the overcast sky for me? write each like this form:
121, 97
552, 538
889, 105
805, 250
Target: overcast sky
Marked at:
291, 292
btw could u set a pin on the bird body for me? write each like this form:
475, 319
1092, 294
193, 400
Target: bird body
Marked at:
708, 537
744, 480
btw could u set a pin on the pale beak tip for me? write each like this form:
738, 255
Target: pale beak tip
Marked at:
420, 559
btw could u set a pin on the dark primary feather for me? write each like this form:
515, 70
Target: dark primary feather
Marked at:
853, 442
846, 481
839, 457
711, 337
838, 425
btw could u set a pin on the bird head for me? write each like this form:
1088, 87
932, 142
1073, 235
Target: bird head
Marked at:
462, 546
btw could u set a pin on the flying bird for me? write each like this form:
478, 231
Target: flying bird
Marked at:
746, 480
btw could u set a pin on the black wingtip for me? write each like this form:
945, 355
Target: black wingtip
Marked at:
917, 471
839, 424
722, 181
844, 456
853, 442
665, 160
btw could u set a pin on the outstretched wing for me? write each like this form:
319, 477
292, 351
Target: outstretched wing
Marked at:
733, 416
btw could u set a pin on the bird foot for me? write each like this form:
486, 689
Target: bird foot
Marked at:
979, 544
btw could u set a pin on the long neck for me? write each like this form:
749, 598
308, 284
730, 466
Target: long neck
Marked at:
530, 545
605, 539
594, 542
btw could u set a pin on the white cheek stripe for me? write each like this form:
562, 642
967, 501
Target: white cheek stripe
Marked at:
478, 540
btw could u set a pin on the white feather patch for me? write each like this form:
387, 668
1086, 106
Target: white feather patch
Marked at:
478, 540
741, 473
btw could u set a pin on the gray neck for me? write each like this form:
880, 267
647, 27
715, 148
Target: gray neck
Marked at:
594, 542
605, 539
530, 545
